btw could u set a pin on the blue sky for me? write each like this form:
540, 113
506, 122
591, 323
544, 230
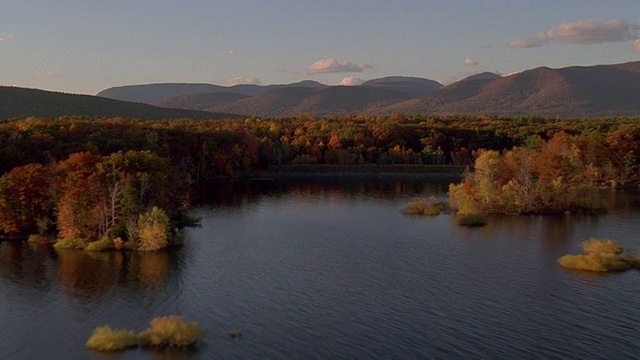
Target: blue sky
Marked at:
84, 46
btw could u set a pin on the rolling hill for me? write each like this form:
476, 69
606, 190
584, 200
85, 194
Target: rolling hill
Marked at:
326, 100
18, 102
413, 86
157, 93
293, 99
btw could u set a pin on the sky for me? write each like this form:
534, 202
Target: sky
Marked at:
85, 46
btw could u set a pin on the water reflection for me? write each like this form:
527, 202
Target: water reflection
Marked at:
87, 275
24, 263
240, 193
333, 269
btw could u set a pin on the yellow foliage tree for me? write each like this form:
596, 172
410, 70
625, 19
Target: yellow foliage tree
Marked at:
153, 230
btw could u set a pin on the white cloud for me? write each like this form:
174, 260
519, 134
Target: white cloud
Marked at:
5, 37
581, 32
351, 81
512, 73
232, 53
240, 80
333, 66
470, 62
45, 74
636, 45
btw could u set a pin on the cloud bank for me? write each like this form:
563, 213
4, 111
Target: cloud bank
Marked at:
351, 81
243, 80
332, 66
5, 37
581, 32
470, 62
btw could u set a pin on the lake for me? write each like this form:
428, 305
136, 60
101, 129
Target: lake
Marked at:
332, 269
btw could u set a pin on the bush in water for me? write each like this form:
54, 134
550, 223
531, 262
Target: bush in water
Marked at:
599, 256
599, 262
420, 206
107, 339
171, 331
595, 246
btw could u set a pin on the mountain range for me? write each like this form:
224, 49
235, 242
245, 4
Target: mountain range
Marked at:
573, 92
577, 91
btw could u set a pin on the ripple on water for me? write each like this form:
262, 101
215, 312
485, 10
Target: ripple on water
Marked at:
327, 274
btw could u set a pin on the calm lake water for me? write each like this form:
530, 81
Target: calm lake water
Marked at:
333, 270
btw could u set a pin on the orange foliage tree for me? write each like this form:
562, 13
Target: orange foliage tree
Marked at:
26, 201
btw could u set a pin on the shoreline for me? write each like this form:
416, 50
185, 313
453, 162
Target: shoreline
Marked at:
359, 171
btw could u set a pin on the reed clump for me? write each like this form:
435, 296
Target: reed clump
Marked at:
171, 331
427, 207
595, 246
75, 244
599, 256
167, 331
107, 339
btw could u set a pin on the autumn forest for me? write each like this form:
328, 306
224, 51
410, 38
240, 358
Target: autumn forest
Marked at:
125, 182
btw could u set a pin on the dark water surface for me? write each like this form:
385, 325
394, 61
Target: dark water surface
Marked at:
333, 270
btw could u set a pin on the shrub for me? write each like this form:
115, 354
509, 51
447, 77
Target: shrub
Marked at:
183, 221
420, 206
106, 339
600, 262
40, 239
472, 220
153, 230
130, 245
235, 333
100, 245
118, 243
170, 331
304, 159
70, 244
595, 246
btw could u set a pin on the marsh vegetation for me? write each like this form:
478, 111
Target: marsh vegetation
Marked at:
168, 331
600, 256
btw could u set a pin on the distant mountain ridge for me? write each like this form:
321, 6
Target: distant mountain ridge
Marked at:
279, 100
17, 103
576, 91
156, 93
413, 86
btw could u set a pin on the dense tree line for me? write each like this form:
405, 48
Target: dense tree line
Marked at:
96, 177
205, 149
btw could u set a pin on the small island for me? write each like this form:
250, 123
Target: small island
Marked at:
546, 177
